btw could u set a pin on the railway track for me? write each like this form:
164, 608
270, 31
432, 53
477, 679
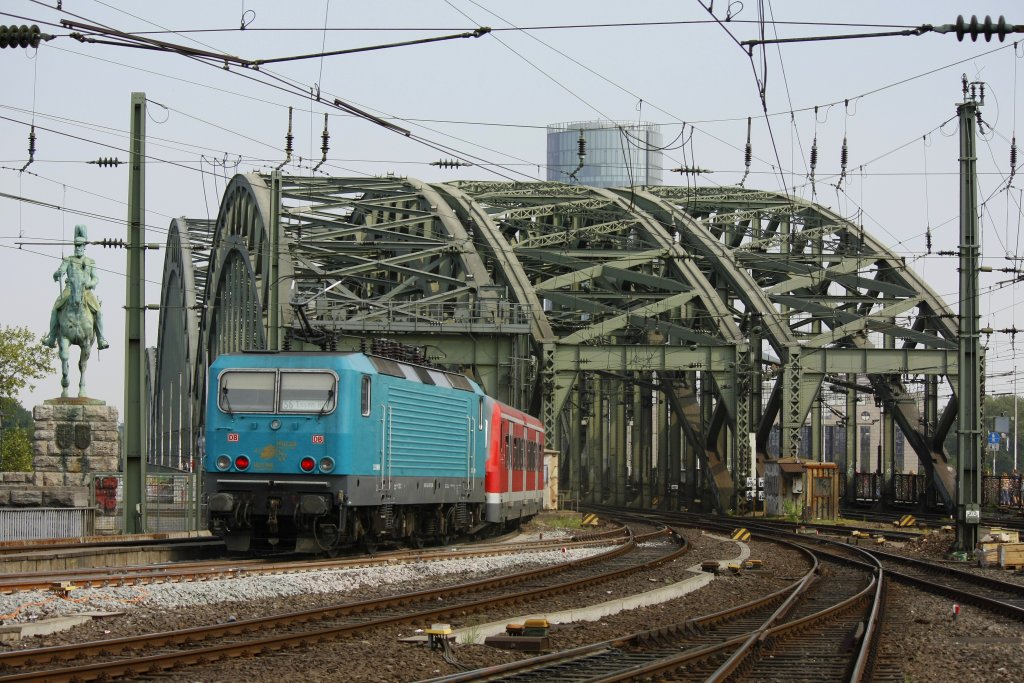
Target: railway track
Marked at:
824, 630
207, 570
190, 647
1002, 597
818, 622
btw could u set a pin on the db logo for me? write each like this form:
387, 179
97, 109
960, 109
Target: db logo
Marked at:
318, 438
232, 437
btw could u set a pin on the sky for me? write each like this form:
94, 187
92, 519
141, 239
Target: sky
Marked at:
488, 98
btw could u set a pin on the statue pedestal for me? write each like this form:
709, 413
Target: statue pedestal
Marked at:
74, 438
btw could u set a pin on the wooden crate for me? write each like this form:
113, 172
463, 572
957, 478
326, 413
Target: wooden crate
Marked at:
1004, 535
987, 558
1011, 555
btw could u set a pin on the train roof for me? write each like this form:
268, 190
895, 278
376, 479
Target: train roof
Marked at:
348, 360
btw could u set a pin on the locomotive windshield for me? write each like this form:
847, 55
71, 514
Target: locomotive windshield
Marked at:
307, 392
247, 391
261, 391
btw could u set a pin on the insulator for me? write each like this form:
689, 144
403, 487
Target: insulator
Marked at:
450, 163
1013, 160
31, 147
814, 154
748, 152
844, 156
20, 36
986, 29
111, 242
325, 137
928, 239
582, 144
106, 161
288, 138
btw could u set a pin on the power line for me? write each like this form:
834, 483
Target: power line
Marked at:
548, 27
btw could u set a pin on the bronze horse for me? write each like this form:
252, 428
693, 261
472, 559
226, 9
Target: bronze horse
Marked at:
76, 327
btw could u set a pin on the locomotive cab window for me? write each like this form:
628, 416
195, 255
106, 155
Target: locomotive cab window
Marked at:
308, 392
246, 391
365, 395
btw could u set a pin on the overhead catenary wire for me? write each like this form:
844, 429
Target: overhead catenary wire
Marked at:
205, 55
702, 147
712, 136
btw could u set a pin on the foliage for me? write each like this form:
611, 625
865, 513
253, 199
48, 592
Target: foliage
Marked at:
16, 430
564, 521
15, 450
992, 407
791, 510
23, 358
471, 634
12, 414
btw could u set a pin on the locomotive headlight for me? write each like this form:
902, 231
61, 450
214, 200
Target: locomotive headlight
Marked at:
223, 463
242, 462
307, 464
275, 424
326, 464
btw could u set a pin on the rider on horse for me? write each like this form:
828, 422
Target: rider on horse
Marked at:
87, 268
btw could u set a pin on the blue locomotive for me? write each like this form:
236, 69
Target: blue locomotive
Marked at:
311, 452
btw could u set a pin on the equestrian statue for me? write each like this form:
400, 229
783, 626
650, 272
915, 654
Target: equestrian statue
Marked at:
76, 317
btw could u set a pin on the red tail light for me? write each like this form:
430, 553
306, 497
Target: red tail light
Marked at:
242, 462
307, 464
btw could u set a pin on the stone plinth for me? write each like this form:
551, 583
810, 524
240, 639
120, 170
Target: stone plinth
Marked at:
74, 438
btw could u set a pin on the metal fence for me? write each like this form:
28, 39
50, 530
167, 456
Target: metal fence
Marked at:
25, 524
1004, 492
172, 502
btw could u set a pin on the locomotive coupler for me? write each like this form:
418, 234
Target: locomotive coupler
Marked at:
273, 505
342, 514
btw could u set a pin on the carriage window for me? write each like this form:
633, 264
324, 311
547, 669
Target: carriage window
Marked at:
308, 392
246, 391
365, 395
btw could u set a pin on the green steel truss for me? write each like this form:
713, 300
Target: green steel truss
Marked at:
654, 329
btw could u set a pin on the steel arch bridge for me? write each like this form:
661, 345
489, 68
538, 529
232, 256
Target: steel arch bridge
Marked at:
666, 335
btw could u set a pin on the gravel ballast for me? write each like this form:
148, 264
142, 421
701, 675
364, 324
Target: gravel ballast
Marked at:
927, 644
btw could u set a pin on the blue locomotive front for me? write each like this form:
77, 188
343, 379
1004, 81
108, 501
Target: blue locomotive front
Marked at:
310, 452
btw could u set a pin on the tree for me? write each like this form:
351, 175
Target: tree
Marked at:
993, 407
15, 450
23, 358
16, 430
14, 414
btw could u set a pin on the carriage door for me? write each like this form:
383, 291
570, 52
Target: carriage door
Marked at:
506, 457
518, 459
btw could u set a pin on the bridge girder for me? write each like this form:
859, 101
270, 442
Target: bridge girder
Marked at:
645, 325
